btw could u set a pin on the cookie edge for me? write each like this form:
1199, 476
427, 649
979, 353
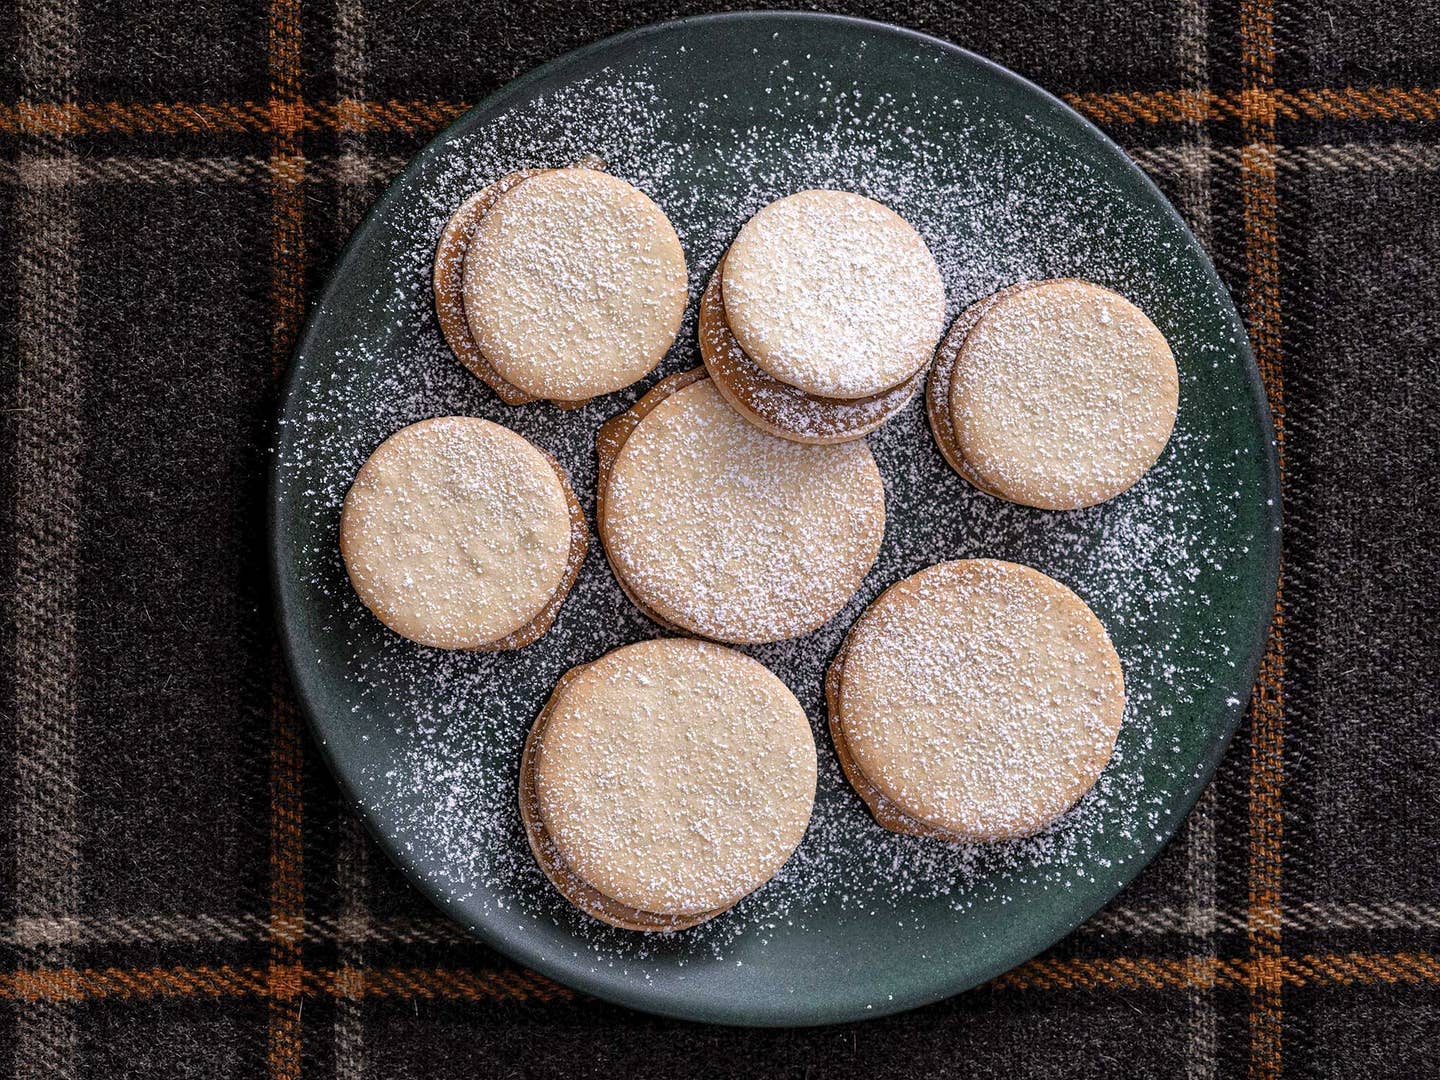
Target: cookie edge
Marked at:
716, 337
887, 813
579, 893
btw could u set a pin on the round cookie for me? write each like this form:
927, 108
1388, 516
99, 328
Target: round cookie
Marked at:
574, 284
718, 529
833, 293
448, 281
942, 371
976, 700
779, 408
665, 781
459, 534
1062, 395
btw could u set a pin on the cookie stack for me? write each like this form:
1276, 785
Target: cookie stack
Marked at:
1054, 394
666, 781
460, 534
559, 284
975, 701
822, 317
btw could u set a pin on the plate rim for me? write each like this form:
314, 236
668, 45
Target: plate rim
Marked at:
739, 1013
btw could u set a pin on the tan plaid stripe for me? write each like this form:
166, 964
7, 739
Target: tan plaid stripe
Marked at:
357, 926
353, 169
49, 392
1188, 162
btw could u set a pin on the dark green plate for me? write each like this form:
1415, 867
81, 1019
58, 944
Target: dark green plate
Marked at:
714, 117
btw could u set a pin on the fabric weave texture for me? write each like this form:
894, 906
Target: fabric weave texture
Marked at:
182, 892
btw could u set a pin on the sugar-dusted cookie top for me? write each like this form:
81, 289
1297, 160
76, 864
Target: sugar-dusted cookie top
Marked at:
833, 293
777, 407
448, 283
733, 534
456, 532
980, 698
574, 284
674, 776
1062, 395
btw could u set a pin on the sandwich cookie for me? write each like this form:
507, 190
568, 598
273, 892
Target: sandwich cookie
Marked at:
1056, 394
835, 296
976, 700
449, 286
779, 408
665, 781
560, 284
716, 528
459, 534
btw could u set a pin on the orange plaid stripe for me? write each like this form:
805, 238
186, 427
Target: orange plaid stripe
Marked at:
1145, 973
285, 984
1259, 109
1394, 104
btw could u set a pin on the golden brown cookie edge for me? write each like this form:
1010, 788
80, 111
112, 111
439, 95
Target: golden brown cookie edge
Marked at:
448, 290
886, 812
581, 895
942, 372
757, 396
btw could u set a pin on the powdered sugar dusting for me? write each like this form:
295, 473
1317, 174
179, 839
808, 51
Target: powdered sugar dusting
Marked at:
1062, 395
735, 534
574, 284
980, 697
777, 407
834, 293
658, 811
456, 532
996, 201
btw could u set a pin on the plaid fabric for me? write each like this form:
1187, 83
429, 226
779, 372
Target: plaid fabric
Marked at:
181, 892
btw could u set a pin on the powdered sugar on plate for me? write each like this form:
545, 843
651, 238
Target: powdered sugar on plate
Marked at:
996, 202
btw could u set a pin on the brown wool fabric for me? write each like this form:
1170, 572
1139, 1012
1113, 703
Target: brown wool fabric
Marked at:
182, 891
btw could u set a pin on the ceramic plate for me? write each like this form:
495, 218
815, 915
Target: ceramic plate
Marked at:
713, 118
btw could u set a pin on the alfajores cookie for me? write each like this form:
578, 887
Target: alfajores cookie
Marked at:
716, 528
937, 386
561, 284
975, 700
1056, 394
448, 281
459, 534
779, 408
666, 781
834, 294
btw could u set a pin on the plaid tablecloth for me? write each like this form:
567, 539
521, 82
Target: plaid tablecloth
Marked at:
180, 892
